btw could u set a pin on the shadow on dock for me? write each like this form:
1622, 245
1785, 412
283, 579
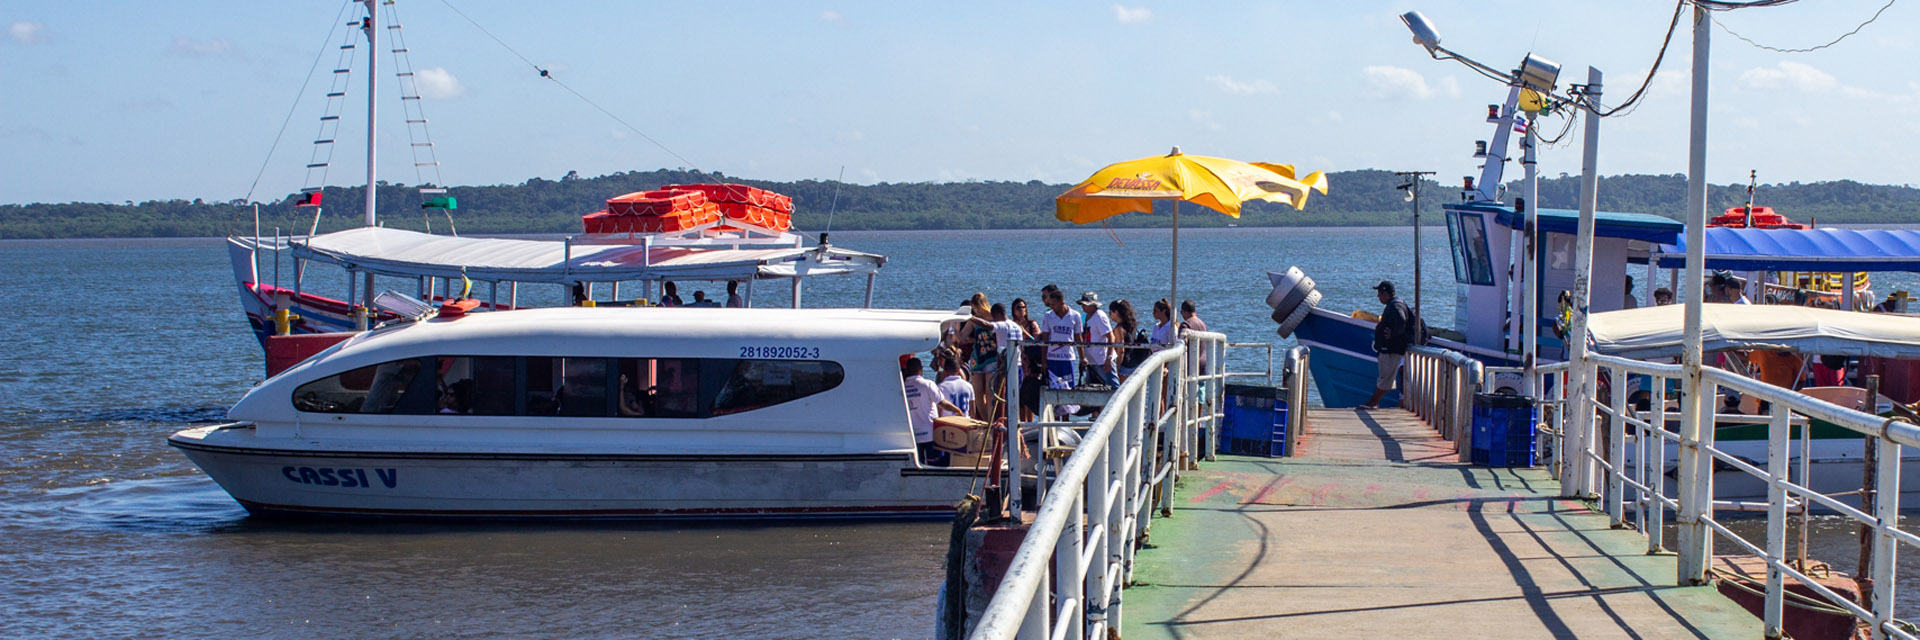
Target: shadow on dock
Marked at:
1374, 530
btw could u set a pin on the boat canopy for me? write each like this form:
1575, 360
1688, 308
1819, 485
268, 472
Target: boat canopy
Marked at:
1655, 332
400, 253
1802, 250
1606, 224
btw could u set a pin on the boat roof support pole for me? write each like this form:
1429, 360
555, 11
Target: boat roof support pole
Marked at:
372, 27
1575, 478
1696, 466
1653, 275
869, 300
796, 292
750, 292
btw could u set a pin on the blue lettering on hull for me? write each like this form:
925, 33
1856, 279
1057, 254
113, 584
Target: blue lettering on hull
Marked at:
340, 477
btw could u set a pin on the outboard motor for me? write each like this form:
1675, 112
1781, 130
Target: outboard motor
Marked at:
1293, 297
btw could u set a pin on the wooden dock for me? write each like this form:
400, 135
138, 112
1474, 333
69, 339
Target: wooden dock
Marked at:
1374, 531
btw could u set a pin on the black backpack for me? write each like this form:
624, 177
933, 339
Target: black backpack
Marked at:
1134, 357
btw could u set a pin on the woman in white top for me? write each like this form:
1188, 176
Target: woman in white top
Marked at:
1165, 332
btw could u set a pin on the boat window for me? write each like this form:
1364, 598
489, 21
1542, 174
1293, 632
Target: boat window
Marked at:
659, 387
1472, 262
753, 384
476, 385
388, 387
1453, 240
567, 387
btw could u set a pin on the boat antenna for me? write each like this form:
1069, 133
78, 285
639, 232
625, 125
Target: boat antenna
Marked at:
835, 206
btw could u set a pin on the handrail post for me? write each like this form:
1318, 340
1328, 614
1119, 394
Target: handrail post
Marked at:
1657, 471
1011, 354
1886, 509
1067, 567
1696, 479
1617, 450
1100, 481
1777, 430
1135, 496
1573, 440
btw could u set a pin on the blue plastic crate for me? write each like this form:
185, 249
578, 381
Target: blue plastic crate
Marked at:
1254, 422
1504, 428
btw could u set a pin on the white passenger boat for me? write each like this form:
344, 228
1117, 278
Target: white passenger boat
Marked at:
592, 413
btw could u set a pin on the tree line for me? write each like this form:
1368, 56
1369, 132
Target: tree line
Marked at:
1356, 198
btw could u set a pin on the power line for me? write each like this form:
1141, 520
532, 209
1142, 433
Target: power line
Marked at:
1876, 16
1672, 26
545, 73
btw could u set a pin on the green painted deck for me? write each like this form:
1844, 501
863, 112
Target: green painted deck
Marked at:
1374, 531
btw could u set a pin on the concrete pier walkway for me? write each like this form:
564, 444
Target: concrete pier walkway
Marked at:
1374, 531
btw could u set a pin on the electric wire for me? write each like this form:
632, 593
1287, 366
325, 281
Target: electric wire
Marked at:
1856, 29
545, 73
1672, 26
296, 100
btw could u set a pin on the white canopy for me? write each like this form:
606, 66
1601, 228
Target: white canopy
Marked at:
1656, 332
395, 252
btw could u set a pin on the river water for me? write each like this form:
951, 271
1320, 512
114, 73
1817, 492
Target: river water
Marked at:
108, 532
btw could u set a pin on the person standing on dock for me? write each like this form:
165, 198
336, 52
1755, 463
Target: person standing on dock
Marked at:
1099, 329
923, 400
1391, 337
1061, 325
1190, 321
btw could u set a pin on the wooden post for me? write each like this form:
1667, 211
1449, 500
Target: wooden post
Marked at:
1869, 461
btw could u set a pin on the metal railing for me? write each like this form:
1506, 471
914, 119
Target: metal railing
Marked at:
1439, 389
1065, 579
1607, 450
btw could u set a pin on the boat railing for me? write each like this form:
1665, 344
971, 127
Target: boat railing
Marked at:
1615, 452
1065, 579
1440, 384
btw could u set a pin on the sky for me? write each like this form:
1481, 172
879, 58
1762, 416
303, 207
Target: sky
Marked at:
108, 101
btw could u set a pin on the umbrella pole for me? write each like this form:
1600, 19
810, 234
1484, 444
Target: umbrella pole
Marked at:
1174, 292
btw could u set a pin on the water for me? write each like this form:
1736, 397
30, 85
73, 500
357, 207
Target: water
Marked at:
114, 344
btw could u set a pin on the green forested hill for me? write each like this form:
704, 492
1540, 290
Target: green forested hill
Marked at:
1356, 198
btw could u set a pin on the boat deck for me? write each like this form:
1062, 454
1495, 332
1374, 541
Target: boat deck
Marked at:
1374, 531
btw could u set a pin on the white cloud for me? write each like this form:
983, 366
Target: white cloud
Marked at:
1786, 75
27, 32
1395, 83
1334, 116
1450, 87
215, 48
851, 136
833, 17
1132, 15
436, 83
1255, 87
1204, 119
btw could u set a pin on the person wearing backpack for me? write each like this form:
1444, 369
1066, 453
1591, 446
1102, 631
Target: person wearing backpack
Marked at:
1391, 338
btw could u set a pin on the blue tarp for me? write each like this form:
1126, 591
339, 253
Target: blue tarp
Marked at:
1803, 250
1606, 224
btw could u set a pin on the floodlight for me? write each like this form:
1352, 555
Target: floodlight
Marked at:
1423, 32
1538, 73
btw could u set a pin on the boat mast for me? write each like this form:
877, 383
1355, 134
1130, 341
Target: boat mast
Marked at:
370, 26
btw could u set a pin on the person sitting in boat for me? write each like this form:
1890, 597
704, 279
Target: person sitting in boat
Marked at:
1662, 297
700, 300
734, 299
1391, 337
1726, 288
458, 398
670, 295
579, 297
923, 400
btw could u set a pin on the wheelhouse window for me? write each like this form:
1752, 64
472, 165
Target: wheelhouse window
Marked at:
569, 386
388, 387
1472, 263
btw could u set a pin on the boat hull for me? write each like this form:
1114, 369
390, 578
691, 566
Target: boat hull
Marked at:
1344, 366
269, 480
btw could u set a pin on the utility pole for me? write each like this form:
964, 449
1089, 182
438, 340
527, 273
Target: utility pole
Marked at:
1412, 187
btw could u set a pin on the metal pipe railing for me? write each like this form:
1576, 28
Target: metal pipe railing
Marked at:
1065, 579
1631, 468
1440, 385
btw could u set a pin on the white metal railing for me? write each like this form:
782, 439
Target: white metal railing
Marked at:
1439, 388
1605, 449
1065, 579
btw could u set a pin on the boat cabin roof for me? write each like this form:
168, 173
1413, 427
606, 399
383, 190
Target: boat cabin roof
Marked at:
1656, 332
1802, 250
1607, 224
401, 253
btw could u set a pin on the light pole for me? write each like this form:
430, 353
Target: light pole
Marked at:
1412, 187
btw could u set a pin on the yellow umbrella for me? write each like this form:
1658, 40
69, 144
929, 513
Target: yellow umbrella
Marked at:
1216, 183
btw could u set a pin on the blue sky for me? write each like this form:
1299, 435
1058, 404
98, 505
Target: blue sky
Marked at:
110, 101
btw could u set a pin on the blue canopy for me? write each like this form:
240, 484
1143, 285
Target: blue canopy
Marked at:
1803, 250
1606, 224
